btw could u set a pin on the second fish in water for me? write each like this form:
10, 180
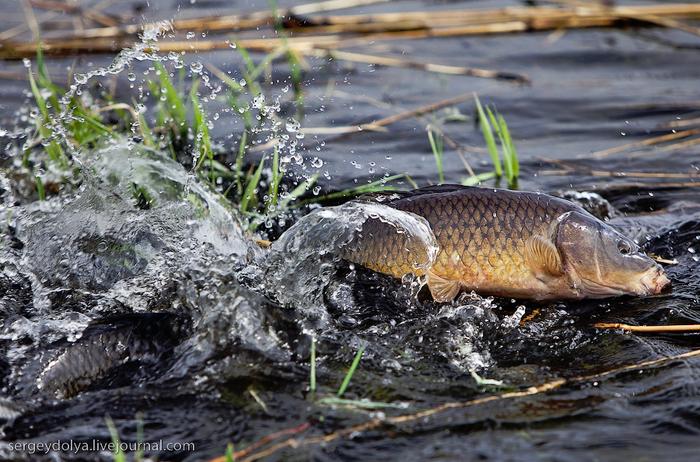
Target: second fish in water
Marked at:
509, 244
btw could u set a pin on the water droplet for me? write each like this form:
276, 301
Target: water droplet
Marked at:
196, 67
81, 79
189, 35
292, 126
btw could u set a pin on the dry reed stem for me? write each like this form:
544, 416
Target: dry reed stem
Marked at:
618, 174
234, 22
647, 142
89, 13
265, 440
665, 261
375, 424
378, 124
459, 148
610, 187
668, 23
681, 145
682, 123
650, 329
448, 23
413, 64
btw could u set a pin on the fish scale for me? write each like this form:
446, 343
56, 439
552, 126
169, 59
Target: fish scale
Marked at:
481, 233
506, 243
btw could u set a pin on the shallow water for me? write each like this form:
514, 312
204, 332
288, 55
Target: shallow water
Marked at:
166, 314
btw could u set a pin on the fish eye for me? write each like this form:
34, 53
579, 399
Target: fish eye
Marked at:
624, 247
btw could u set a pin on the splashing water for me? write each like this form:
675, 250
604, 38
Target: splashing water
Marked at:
302, 261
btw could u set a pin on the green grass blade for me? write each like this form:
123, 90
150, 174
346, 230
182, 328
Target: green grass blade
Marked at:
253, 182
118, 454
312, 378
375, 186
298, 191
41, 192
53, 150
438, 149
360, 403
176, 106
201, 130
239, 162
267, 60
145, 130
504, 148
40, 101
508, 140
138, 457
487, 133
477, 179
351, 372
230, 456
252, 83
276, 179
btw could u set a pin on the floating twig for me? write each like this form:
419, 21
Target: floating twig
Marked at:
644, 143
682, 123
266, 440
665, 261
617, 174
263, 243
648, 329
413, 64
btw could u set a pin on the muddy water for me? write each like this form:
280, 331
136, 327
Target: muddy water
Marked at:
167, 315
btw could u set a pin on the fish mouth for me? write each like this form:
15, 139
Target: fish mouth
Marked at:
654, 282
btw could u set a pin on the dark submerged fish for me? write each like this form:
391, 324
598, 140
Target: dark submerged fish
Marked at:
510, 244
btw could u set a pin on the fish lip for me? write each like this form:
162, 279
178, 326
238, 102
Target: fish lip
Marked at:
655, 282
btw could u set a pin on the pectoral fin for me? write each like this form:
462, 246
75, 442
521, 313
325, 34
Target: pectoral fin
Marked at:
442, 290
544, 256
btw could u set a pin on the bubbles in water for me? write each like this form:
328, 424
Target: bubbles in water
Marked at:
81, 79
196, 67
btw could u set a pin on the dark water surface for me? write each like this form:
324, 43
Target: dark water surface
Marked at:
177, 321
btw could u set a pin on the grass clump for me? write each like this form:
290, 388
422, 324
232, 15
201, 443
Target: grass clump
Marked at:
171, 116
492, 122
337, 399
499, 144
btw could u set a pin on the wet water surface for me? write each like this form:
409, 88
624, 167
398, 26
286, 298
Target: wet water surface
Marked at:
168, 313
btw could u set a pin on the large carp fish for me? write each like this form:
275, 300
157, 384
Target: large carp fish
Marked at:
504, 243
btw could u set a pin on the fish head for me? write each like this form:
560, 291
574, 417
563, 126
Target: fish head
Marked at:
601, 262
